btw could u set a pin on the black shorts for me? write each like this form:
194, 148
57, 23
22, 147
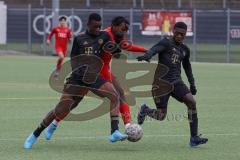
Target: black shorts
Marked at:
178, 92
76, 85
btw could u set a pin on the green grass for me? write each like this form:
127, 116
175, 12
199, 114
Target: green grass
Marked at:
26, 97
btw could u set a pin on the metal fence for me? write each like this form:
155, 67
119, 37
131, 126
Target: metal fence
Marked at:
211, 40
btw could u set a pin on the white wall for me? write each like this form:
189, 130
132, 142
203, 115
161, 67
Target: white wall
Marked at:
3, 23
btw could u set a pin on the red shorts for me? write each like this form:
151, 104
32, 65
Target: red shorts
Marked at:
59, 49
107, 75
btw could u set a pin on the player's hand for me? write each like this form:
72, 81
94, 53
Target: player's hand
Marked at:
193, 89
48, 42
144, 58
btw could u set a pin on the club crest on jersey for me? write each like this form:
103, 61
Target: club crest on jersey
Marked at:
100, 41
85, 43
174, 50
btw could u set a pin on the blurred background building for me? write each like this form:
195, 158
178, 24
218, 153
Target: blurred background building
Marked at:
213, 26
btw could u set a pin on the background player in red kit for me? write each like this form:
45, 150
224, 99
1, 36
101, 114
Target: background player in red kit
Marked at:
116, 31
62, 37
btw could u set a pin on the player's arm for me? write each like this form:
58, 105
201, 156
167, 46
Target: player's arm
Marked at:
50, 36
137, 48
188, 71
128, 46
69, 35
157, 48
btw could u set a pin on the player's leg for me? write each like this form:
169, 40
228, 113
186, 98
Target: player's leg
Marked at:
77, 100
61, 55
53, 126
160, 93
124, 107
71, 87
182, 94
159, 114
106, 89
60, 111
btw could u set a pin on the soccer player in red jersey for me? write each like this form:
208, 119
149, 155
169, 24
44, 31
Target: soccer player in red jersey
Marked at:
117, 32
62, 37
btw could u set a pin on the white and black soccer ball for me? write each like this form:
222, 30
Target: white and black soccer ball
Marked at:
134, 132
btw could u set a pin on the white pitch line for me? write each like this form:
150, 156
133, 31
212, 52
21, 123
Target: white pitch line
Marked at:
104, 137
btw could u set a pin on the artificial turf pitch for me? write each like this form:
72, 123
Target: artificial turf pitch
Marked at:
25, 98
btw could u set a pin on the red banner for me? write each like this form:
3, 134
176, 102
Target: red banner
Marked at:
161, 23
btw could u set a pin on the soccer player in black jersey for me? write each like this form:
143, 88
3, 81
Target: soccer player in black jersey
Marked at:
86, 63
172, 53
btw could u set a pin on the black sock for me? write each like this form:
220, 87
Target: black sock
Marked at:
39, 129
193, 123
114, 123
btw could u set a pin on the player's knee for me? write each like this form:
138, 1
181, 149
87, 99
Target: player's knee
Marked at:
121, 93
191, 104
61, 56
113, 96
77, 100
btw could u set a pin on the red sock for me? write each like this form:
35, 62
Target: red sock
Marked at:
58, 119
125, 112
61, 117
59, 64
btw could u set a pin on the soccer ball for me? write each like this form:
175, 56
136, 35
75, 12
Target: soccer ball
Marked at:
134, 132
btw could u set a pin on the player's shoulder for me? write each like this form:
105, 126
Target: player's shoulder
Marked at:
185, 48
108, 30
68, 29
80, 36
105, 35
165, 40
55, 28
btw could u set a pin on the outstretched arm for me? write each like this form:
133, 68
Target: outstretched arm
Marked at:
136, 48
157, 48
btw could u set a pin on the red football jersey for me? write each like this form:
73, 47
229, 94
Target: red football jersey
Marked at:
62, 36
107, 57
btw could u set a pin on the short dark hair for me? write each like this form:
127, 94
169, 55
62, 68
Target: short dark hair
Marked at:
62, 18
181, 25
116, 21
94, 17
